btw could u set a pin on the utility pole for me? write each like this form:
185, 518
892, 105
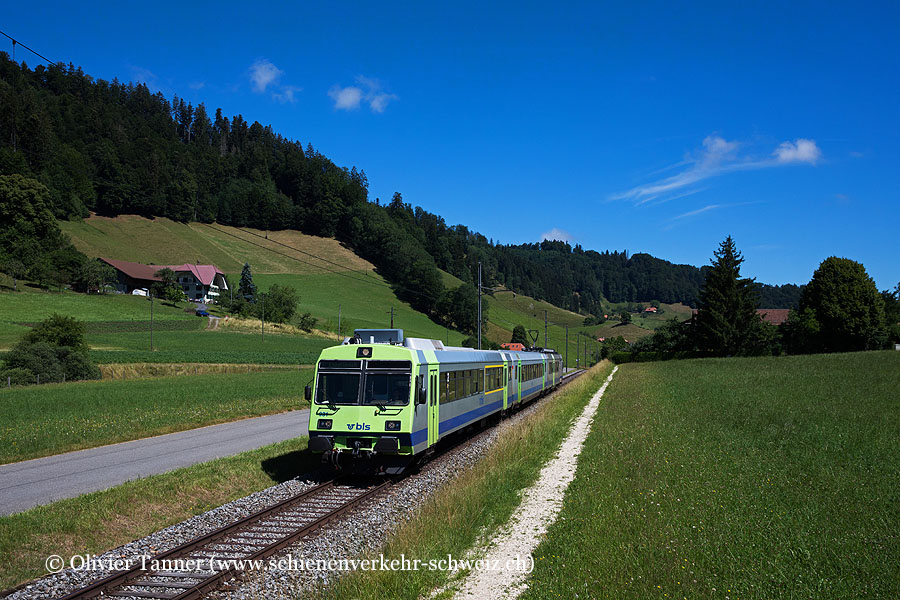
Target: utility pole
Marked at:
577, 346
339, 320
392, 317
262, 323
585, 354
151, 320
479, 305
546, 343
567, 350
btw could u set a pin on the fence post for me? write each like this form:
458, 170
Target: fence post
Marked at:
64, 377
39, 379
8, 381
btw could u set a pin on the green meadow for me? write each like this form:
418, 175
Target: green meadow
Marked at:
53, 418
735, 478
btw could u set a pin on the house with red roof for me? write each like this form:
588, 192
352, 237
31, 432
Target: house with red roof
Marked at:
201, 283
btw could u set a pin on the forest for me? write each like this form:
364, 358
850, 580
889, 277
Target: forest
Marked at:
117, 148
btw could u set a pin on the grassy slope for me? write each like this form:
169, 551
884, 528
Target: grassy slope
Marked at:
96, 522
363, 304
161, 241
42, 420
740, 478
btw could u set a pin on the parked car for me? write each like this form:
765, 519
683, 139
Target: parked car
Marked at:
140, 292
202, 313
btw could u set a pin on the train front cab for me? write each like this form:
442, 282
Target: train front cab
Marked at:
368, 401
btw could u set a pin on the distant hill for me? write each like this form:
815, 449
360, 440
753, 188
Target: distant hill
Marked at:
118, 149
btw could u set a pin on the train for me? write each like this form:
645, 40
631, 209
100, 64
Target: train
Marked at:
385, 401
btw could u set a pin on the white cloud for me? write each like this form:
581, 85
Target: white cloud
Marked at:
287, 94
367, 90
197, 85
263, 73
717, 157
347, 98
557, 234
798, 151
379, 102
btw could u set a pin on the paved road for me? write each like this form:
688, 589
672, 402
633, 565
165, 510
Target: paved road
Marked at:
44, 480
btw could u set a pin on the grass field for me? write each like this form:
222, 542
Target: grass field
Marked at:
162, 241
475, 503
365, 302
736, 478
96, 522
206, 347
50, 419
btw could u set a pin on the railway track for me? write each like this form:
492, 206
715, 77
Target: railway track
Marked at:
208, 561
195, 568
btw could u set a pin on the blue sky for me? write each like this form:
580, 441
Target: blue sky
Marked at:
647, 127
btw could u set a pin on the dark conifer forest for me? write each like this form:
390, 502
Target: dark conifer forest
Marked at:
115, 148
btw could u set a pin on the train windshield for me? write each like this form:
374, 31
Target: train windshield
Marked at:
386, 389
338, 388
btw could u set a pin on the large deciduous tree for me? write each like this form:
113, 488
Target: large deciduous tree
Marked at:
846, 305
727, 321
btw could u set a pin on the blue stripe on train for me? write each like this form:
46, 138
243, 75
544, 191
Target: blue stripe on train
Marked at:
468, 417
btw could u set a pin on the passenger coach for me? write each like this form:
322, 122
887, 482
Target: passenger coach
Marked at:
382, 395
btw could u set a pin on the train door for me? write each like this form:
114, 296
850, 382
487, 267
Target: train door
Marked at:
434, 403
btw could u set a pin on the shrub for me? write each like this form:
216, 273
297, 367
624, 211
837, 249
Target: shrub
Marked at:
59, 330
306, 322
16, 376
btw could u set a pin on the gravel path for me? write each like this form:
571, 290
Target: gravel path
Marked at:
360, 533
540, 506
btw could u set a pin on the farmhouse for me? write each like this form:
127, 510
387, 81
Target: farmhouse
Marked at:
199, 282
775, 316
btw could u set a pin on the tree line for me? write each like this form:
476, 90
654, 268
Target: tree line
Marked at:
839, 310
116, 148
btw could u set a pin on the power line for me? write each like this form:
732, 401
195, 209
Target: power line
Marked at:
36, 53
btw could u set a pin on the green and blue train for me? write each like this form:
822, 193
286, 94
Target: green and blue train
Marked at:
388, 400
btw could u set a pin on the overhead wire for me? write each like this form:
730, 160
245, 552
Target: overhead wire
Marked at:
35, 52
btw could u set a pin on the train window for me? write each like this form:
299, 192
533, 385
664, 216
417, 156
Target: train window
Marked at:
387, 389
338, 388
445, 385
342, 365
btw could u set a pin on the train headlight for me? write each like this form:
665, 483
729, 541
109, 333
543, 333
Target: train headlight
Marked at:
392, 425
324, 424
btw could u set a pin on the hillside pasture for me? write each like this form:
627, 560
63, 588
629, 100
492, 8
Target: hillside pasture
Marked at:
163, 241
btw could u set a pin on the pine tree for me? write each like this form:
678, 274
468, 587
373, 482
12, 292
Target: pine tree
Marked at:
520, 336
246, 288
727, 321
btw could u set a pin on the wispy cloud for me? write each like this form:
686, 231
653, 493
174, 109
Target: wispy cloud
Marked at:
719, 156
287, 94
557, 234
197, 85
367, 90
705, 209
263, 74
147, 77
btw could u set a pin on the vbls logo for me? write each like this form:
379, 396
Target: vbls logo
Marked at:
358, 427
